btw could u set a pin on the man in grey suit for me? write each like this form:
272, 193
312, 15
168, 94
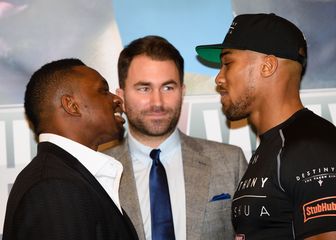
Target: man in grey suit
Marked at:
202, 175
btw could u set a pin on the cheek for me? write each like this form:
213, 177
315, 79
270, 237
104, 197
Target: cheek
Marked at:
171, 100
236, 90
236, 79
135, 102
175, 101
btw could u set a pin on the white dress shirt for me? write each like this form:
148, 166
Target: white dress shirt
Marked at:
171, 158
104, 168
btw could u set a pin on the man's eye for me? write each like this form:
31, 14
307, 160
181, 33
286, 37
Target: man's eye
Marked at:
105, 90
168, 88
143, 89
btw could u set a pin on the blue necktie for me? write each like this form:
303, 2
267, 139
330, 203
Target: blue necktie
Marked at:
161, 214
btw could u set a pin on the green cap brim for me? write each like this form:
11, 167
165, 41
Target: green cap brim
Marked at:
210, 53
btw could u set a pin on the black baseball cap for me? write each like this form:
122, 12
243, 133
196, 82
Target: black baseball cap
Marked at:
264, 33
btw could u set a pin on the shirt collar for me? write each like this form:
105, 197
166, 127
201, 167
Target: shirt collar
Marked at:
94, 161
140, 151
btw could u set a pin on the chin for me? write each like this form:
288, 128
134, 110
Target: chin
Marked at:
234, 116
160, 132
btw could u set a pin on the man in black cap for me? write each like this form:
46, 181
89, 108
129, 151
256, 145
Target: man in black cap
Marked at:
288, 190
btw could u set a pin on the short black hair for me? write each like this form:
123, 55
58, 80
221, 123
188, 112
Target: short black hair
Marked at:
155, 47
41, 86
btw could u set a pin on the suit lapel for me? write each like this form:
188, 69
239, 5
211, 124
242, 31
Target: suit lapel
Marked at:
196, 168
82, 172
101, 191
74, 164
128, 192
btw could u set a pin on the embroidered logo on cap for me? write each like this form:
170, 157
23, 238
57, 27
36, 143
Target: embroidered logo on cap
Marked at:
232, 27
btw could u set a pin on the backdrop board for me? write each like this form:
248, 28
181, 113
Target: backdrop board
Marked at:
34, 32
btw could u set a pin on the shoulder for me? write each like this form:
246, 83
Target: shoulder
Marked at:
118, 150
226, 163
49, 180
309, 126
49, 170
47, 193
221, 157
203, 145
308, 146
55, 188
63, 201
309, 133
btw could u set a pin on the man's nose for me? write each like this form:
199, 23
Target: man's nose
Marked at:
117, 101
220, 77
156, 97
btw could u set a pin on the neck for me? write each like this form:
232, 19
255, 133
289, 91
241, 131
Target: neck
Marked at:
148, 140
278, 98
74, 136
272, 115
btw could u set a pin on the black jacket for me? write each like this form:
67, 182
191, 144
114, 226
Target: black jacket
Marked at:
55, 197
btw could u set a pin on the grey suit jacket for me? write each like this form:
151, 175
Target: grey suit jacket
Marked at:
210, 168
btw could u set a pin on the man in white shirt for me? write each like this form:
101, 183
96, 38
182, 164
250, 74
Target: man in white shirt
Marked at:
69, 190
201, 175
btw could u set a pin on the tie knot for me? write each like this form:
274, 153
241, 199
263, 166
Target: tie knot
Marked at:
155, 155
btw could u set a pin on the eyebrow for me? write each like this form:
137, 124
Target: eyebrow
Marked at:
104, 82
170, 81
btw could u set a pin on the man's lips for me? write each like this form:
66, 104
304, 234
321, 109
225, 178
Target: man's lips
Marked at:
155, 115
118, 117
222, 91
118, 111
118, 114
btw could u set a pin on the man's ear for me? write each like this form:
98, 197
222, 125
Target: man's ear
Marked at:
70, 105
120, 93
269, 66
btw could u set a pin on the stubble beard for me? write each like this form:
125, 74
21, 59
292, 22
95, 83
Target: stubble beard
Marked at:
237, 111
240, 109
153, 128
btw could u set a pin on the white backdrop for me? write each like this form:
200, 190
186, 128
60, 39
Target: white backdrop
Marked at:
33, 32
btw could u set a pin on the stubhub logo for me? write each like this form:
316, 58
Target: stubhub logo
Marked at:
323, 207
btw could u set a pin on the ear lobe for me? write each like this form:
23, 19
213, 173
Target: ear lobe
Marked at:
120, 93
269, 66
70, 105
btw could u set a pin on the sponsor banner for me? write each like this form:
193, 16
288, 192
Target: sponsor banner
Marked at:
323, 207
